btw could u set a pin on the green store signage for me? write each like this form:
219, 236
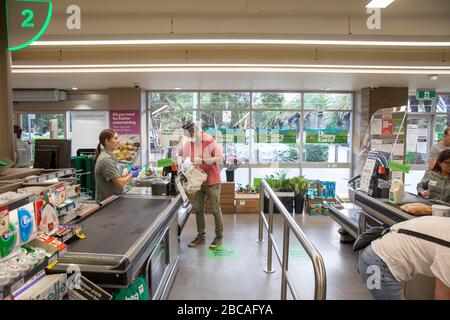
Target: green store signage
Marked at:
425, 94
276, 136
327, 136
27, 20
222, 253
225, 135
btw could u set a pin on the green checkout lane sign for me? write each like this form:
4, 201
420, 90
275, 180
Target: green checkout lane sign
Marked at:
164, 162
425, 94
327, 136
398, 167
26, 21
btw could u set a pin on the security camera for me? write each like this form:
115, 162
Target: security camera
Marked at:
137, 85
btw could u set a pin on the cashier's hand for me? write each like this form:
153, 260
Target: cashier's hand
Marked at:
425, 194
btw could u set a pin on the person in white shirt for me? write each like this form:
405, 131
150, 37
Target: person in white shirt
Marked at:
396, 257
23, 150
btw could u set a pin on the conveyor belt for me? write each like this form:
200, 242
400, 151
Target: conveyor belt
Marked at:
120, 238
116, 227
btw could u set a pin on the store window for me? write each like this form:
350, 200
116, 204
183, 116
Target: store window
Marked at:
336, 101
167, 112
415, 105
266, 131
276, 136
443, 103
442, 121
327, 136
37, 126
274, 100
340, 175
226, 116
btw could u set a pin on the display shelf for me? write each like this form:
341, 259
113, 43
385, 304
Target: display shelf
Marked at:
50, 175
19, 283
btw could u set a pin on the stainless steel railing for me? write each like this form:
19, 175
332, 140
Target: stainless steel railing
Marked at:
320, 277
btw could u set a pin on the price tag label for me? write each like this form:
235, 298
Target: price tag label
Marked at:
51, 265
79, 234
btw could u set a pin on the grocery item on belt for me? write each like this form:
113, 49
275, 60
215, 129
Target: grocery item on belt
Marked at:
417, 209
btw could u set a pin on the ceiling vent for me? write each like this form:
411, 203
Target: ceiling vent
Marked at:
39, 95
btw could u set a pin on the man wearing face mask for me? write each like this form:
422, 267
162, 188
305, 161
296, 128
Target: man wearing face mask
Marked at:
205, 153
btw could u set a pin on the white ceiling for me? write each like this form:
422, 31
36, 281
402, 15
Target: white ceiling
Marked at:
235, 7
228, 81
118, 18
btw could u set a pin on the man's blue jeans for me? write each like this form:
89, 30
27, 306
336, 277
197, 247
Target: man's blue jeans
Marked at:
378, 278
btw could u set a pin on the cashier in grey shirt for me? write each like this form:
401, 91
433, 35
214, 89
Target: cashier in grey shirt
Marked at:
437, 148
436, 182
110, 178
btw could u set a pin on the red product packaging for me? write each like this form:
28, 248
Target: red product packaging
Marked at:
38, 210
386, 127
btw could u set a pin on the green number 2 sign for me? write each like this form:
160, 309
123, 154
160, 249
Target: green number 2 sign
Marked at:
28, 22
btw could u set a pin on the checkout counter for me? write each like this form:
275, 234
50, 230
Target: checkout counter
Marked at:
369, 211
131, 235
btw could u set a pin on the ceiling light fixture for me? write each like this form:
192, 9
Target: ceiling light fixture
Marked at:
251, 68
63, 43
74, 88
433, 77
379, 4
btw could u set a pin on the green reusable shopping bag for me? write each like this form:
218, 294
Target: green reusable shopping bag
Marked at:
138, 290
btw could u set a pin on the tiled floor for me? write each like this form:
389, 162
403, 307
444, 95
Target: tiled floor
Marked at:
241, 276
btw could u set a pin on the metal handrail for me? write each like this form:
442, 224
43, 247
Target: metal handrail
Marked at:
320, 277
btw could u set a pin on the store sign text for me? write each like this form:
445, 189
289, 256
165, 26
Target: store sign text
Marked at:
374, 20
327, 136
29, 19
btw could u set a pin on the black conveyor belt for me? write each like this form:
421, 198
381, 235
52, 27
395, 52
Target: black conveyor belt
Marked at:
116, 227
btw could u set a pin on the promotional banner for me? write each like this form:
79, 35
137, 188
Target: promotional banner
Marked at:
327, 136
276, 135
127, 124
225, 135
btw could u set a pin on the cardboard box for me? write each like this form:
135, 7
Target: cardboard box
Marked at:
52, 287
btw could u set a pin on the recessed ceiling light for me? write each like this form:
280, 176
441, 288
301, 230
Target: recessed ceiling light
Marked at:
177, 88
74, 88
379, 3
326, 88
433, 77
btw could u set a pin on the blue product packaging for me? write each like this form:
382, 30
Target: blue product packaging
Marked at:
27, 225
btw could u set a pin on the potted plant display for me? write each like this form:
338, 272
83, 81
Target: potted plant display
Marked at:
279, 183
300, 186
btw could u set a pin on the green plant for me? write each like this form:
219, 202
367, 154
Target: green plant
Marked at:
299, 185
247, 189
316, 152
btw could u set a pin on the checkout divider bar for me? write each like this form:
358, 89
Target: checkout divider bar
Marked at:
320, 278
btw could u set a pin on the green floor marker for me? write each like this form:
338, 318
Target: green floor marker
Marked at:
222, 253
297, 253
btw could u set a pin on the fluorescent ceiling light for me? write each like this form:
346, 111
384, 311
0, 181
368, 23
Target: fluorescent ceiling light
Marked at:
242, 42
379, 3
82, 67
